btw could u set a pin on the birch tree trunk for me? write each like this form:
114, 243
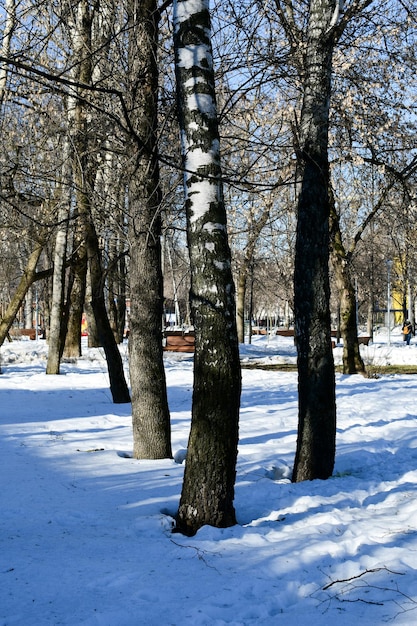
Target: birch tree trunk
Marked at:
208, 488
150, 413
55, 334
315, 452
9, 26
121, 299
77, 282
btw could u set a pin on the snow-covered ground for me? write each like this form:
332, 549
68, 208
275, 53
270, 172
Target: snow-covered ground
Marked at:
85, 531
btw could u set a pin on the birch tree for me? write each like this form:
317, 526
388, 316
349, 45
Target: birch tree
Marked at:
208, 488
56, 335
9, 26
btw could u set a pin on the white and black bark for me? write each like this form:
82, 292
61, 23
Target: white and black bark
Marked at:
208, 489
9, 27
150, 412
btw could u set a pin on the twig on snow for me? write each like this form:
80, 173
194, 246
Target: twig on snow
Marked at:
367, 571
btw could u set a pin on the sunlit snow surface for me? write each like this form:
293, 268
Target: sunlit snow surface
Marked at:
85, 530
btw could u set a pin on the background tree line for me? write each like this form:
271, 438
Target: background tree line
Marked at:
311, 106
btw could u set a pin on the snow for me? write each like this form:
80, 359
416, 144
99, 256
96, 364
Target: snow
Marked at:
86, 531
202, 102
201, 193
195, 56
183, 9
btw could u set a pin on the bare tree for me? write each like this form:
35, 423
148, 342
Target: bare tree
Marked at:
316, 384
57, 324
27, 279
150, 413
9, 26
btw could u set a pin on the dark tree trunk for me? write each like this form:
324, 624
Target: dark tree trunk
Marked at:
121, 299
208, 489
352, 360
84, 173
150, 412
92, 329
315, 452
118, 385
254, 230
113, 287
75, 302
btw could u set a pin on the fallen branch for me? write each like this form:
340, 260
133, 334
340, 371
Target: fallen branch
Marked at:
367, 571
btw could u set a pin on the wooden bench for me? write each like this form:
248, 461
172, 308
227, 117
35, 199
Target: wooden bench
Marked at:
23, 332
178, 341
364, 340
289, 332
285, 332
